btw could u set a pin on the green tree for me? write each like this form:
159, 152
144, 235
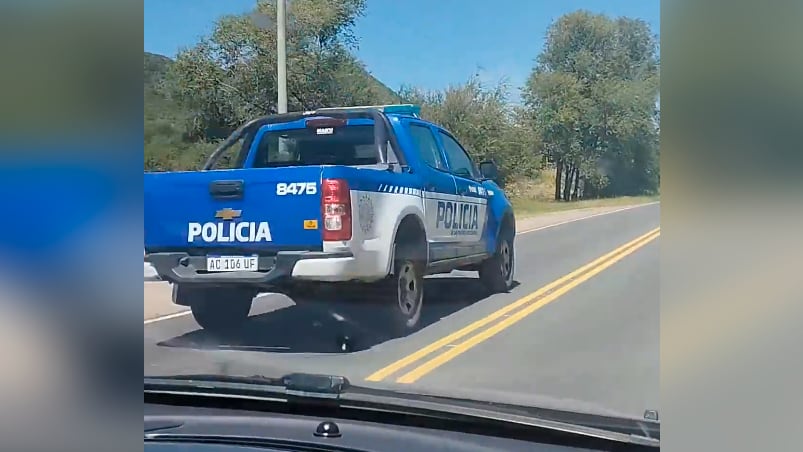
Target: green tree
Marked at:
230, 76
592, 98
482, 119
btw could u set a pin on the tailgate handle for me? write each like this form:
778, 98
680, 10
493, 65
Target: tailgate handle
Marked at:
227, 189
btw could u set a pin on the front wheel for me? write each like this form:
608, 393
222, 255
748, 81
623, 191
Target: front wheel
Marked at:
221, 310
496, 272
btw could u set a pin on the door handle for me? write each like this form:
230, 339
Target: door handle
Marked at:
227, 189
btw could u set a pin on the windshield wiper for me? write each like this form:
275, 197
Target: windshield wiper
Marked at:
293, 385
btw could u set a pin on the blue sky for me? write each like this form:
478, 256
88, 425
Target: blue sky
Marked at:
426, 43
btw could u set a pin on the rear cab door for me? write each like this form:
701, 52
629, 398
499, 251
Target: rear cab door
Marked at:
438, 188
467, 213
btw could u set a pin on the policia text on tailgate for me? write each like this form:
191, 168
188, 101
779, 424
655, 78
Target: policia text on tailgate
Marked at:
372, 195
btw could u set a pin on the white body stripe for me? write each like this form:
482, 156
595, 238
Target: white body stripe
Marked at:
387, 188
375, 219
455, 218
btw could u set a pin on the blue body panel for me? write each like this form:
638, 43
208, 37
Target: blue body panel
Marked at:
368, 179
498, 207
173, 200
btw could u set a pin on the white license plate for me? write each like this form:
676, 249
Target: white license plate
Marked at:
232, 263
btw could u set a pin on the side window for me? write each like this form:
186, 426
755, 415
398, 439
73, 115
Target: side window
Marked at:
427, 146
460, 163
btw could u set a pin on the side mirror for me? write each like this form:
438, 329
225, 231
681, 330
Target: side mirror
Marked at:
489, 170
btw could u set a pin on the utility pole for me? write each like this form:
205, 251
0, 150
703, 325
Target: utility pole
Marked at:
281, 53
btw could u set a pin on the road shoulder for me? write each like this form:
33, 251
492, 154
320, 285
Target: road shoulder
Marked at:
535, 222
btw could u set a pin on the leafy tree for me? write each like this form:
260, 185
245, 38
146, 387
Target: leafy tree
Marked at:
482, 119
592, 96
230, 76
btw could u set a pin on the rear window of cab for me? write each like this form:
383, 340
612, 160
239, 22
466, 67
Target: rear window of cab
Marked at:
352, 145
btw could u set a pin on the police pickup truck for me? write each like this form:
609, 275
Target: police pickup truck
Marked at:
369, 195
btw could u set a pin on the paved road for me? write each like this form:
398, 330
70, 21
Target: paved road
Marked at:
586, 341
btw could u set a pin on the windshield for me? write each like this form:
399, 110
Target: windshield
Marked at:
511, 258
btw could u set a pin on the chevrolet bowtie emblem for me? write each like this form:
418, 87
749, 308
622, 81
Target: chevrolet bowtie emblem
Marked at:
228, 214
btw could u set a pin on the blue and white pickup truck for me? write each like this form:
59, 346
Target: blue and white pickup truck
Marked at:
336, 195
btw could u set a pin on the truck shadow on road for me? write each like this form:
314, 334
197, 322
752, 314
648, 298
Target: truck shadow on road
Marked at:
346, 323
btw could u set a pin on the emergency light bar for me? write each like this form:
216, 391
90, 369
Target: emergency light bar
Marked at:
397, 109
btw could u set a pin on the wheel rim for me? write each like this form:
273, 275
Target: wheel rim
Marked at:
506, 265
409, 290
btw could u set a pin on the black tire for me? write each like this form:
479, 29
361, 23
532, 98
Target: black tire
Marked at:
222, 310
405, 293
496, 273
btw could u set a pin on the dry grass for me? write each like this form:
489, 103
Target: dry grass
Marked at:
540, 188
532, 207
531, 197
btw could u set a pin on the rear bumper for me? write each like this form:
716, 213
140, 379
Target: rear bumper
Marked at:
181, 268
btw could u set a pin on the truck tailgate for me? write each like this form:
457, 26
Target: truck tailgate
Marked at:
260, 209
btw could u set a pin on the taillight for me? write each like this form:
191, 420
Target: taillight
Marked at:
336, 210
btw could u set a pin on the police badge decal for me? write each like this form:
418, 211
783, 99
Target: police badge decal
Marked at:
365, 213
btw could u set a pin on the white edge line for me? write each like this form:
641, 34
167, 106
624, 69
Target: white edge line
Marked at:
168, 316
187, 312
586, 217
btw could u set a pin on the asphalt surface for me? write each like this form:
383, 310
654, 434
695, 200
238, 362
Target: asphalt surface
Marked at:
591, 343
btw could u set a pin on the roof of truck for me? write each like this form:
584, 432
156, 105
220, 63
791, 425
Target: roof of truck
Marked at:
390, 109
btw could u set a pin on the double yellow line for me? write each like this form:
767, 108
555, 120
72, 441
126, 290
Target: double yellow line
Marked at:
528, 305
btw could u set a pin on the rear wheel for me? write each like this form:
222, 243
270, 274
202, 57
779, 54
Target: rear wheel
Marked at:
221, 310
496, 272
407, 293
405, 287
